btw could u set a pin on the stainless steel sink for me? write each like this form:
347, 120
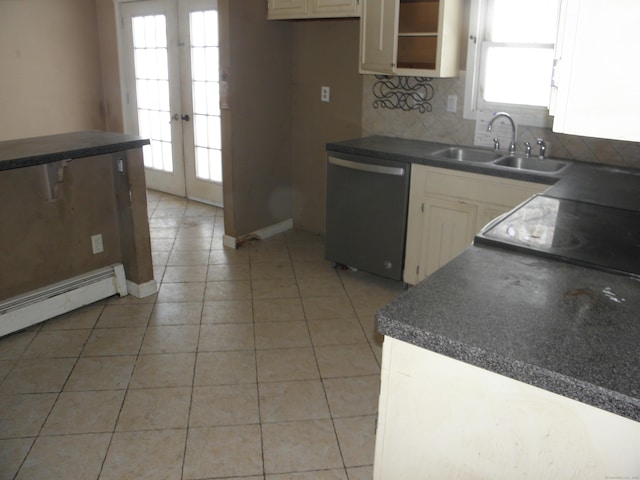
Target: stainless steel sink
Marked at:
531, 163
463, 154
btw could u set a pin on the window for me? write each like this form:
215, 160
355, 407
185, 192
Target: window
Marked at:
510, 58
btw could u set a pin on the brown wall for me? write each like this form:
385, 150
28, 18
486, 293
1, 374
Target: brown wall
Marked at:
43, 241
109, 65
325, 53
257, 126
51, 79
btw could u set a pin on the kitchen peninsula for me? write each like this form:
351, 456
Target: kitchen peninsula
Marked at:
73, 206
505, 363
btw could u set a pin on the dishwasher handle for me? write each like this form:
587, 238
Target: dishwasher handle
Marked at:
367, 167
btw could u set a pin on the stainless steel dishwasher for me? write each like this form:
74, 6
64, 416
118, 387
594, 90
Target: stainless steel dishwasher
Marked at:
366, 216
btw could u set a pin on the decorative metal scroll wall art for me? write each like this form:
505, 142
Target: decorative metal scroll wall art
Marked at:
403, 93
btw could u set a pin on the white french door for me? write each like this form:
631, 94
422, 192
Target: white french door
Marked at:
171, 78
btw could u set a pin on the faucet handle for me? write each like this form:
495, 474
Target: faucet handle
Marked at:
496, 143
527, 149
543, 147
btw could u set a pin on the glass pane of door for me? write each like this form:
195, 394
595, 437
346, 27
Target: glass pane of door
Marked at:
201, 98
205, 86
150, 66
151, 72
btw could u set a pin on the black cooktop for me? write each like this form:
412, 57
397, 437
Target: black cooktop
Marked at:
576, 232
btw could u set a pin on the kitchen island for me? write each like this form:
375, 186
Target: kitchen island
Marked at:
505, 365
73, 206
508, 364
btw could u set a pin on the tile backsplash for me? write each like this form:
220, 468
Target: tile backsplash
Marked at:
451, 128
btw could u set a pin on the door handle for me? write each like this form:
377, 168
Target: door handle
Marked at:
177, 116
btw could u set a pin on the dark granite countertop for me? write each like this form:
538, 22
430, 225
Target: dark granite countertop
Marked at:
569, 329
564, 328
27, 152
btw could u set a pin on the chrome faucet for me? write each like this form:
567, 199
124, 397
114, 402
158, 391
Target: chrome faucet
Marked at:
512, 145
543, 148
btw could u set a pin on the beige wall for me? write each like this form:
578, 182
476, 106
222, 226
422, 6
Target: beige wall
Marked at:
325, 53
51, 79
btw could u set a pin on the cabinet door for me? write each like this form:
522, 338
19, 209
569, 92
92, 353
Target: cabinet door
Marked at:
596, 36
378, 36
287, 9
449, 227
335, 8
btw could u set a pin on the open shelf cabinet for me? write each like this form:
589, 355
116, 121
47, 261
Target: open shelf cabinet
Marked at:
411, 37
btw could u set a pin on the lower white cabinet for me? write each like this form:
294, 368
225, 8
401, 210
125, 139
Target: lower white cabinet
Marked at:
447, 208
293, 9
440, 418
447, 223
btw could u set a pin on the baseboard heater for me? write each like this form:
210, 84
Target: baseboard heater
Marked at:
24, 310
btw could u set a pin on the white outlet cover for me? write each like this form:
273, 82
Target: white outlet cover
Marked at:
96, 243
325, 94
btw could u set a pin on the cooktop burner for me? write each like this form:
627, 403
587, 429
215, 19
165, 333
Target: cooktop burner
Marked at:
577, 232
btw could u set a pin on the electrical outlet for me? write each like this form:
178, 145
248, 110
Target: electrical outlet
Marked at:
452, 103
96, 243
325, 94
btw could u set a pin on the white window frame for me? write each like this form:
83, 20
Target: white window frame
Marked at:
473, 105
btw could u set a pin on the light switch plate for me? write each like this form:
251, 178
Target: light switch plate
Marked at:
452, 103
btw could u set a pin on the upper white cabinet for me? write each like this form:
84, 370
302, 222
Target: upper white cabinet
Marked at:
292, 9
287, 9
410, 37
595, 88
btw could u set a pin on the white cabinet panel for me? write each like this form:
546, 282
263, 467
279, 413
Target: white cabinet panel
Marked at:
596, 90
336, 7
300, 9
287, 8
440, 418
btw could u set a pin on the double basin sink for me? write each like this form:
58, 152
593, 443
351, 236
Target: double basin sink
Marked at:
466, 154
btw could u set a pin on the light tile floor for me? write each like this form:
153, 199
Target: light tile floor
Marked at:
255, 363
